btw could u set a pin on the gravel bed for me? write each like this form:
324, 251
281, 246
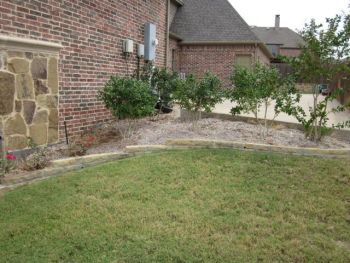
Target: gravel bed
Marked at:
150, 131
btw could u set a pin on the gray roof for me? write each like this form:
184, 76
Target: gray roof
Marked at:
283, 36
210, 21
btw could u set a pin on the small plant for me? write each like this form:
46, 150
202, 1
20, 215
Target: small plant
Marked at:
254, 89
324, 57
7, 163
37, 160
81, 146
128, 99
197, 95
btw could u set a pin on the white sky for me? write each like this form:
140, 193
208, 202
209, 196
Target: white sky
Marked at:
294, 13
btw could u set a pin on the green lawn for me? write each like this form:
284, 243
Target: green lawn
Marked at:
184, 206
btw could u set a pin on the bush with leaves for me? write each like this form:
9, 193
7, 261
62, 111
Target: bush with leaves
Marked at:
38, 159
128, 99
7, 163
255, 88
325, 55
196, 95
163, 83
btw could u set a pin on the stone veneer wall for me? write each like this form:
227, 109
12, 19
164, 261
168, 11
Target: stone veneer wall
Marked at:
28, 98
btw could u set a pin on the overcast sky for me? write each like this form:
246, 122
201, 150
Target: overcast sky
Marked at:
294, 13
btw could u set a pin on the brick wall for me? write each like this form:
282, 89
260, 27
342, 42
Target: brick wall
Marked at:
290, 52
219, 59
91, 32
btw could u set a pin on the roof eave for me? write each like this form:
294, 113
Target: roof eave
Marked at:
178, 2
174, 36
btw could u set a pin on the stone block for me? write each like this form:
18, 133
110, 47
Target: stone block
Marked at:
18, 106
38, 133
28, 110
53, 118
17, 54
16, 142
40, 87
47, 101
41, 116
18, 65
39, 68
53, 135
53, 75
15, 125
25, 87
3, 61
7, 92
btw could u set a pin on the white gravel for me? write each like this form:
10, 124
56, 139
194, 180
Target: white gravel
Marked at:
150, 131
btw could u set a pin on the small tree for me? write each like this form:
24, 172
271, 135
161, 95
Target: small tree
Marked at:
255, 88
197, 95
129, 99
324, 56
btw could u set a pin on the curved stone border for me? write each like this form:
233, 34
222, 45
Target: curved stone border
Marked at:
197, 143
59, 167
259, 147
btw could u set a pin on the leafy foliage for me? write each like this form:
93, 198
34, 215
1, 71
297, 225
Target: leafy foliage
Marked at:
325, 55
162, 81
195, 95
36, 161
128, 98
7, 163
257, 87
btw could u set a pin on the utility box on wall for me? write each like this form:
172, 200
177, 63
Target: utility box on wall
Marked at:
150, 41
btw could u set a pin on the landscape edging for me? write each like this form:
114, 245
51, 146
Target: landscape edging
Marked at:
201, 143
61, 166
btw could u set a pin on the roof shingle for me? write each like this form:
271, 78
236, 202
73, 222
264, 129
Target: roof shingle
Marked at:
211, 21
283, 36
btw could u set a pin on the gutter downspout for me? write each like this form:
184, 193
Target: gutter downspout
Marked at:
167, 34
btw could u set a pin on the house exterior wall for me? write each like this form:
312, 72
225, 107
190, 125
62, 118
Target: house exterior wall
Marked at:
91, 33
290, 52
173, 57
218, 59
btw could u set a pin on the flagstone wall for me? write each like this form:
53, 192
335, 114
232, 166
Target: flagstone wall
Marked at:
28, 98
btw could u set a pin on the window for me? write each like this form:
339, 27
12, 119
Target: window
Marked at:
243, 60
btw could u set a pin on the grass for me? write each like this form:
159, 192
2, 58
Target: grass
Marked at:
184, 206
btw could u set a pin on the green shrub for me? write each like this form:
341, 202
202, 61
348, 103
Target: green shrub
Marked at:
36, 161
197, 95
7, 163
128, 98
163, 83
255, 88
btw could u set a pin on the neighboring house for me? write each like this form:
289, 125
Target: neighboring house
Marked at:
280, 40
56, 55
207, 35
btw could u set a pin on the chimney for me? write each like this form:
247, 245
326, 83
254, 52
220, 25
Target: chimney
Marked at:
277, 21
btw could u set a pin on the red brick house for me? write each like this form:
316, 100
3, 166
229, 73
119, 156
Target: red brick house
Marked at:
56, 55
211, 35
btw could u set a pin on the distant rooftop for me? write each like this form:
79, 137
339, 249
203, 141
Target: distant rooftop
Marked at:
283, 36
199, 21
